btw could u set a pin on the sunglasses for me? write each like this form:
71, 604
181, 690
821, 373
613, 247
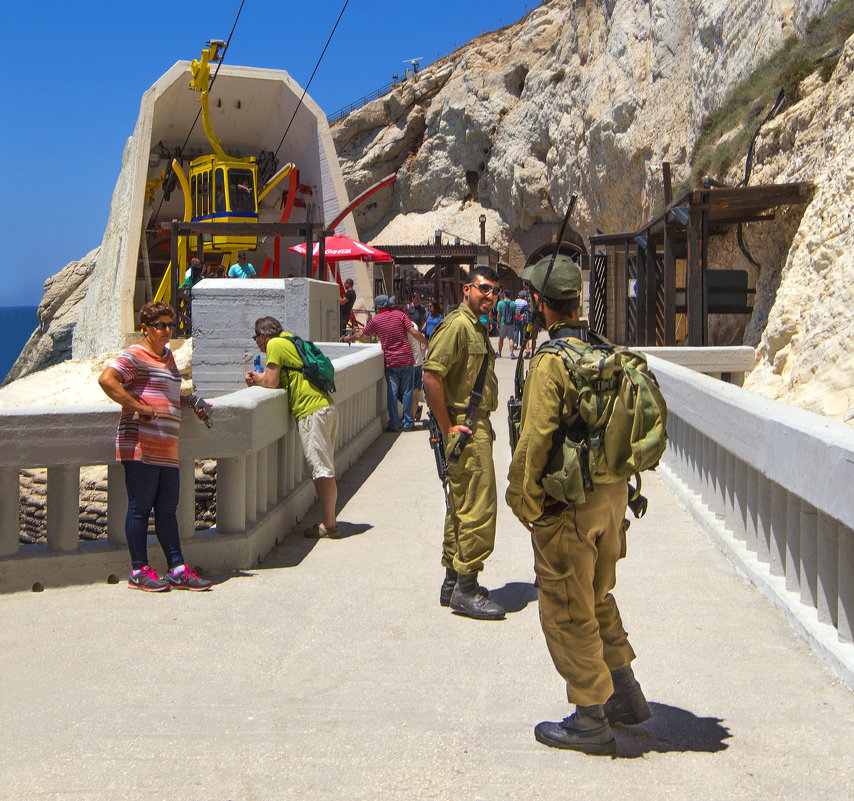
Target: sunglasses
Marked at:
162, 326
486, 289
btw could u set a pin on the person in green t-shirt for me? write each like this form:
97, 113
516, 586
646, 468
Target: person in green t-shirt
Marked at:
506, 322
316, 416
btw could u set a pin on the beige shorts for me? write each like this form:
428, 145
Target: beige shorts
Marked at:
318, 433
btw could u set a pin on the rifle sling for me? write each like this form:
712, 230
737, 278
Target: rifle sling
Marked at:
474, 402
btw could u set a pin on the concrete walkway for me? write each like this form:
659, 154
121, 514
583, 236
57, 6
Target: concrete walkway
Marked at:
331, 672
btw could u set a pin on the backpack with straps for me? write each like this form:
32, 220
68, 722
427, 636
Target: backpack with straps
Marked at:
508, 313
317, 369
621, 422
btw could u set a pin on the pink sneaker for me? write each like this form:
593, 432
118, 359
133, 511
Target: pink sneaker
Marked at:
188, 580
148, 580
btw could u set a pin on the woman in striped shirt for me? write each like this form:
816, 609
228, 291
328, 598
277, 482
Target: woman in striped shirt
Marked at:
145, 381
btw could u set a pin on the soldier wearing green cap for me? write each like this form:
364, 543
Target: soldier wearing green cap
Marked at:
576, 546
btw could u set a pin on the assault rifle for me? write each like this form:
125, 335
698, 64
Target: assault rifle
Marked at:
438, 445
514, 404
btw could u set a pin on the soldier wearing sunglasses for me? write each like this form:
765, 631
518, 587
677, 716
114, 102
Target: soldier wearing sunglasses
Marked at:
459, 353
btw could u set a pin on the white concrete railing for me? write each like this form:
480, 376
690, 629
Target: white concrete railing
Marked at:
735, 360
773, 484
262, 488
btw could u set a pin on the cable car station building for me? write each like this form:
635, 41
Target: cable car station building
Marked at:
249, 112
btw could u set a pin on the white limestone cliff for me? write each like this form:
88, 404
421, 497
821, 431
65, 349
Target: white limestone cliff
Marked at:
588, 97
593, 98
806, 353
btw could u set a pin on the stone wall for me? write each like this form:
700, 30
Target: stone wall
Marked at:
224, 314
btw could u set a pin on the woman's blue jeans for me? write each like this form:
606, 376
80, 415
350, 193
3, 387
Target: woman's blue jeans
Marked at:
399, 385
152, 486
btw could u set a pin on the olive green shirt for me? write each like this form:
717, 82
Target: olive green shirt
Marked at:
549, 398
456, 351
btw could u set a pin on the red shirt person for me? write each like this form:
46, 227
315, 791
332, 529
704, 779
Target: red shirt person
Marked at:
391, 327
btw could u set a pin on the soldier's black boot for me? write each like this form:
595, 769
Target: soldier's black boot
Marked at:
448, 586
472, 600
586, 730
627, 705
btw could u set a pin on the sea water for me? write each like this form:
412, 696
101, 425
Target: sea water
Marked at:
17, 323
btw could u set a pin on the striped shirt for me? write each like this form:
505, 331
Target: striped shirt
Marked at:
390, 326
155, 381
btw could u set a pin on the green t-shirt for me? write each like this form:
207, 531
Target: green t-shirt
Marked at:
506, 308
304, 399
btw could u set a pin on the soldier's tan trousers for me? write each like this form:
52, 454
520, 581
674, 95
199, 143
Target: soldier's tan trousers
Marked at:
470, 526
575, 555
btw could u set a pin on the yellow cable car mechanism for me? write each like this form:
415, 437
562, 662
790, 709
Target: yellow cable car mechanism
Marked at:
221, 188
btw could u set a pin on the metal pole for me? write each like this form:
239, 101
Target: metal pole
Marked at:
694, 299
173, 245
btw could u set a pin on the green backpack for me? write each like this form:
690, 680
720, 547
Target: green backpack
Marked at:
317, 368
621, 421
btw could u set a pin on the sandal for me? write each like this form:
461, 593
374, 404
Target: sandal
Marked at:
319, 531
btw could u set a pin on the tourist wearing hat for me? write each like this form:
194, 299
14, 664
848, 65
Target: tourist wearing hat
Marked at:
576, 546
392, 327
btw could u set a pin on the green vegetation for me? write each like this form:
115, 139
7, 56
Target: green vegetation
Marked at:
727, 131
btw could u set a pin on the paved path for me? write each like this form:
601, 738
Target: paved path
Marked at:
331, 672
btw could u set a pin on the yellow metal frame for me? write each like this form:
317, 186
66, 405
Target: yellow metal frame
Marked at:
201, 73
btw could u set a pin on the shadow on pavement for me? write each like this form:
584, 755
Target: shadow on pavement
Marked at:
671, 729
295, 547
515, 596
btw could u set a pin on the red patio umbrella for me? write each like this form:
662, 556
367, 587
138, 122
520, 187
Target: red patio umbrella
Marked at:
342, 248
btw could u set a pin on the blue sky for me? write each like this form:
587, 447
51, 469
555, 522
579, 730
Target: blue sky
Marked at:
73, 75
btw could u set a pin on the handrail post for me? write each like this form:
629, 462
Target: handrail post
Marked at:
187, 498
63, 507
9, 512
827, 555
117, 503
845, 610
231, 494
272, 452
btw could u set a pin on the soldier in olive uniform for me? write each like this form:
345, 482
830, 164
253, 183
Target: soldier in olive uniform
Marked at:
457, 350
576, 546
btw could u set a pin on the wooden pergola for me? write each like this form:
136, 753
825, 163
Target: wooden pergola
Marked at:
650, 254
451, 263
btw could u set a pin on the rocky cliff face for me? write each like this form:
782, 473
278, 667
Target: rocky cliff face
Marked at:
58, 311
593, 97
805, 355
589, 97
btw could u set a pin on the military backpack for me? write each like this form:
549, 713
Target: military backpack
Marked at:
620, 419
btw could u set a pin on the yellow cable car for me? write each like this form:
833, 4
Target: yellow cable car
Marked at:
224, 190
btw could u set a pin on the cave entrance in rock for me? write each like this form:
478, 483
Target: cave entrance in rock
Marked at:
570, 249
